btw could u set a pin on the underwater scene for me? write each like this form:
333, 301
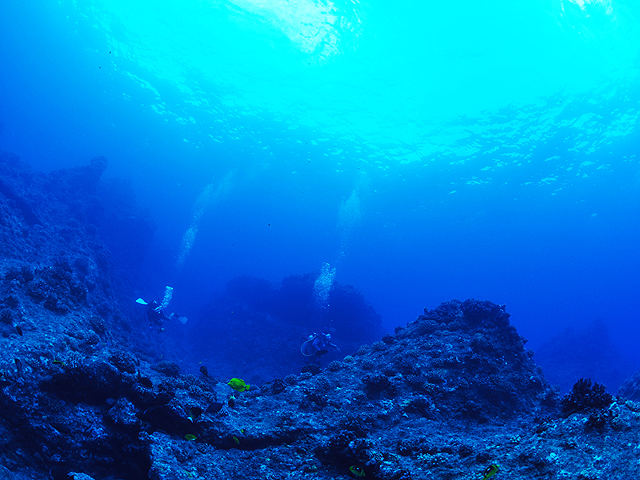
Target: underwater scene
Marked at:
319, 239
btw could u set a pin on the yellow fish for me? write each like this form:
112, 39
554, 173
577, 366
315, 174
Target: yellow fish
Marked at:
357, 471
238, 385
490, 471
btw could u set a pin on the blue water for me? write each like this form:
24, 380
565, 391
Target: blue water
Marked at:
426, 150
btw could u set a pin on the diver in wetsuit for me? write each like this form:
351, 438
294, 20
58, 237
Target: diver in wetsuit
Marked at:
318, 344
155, 312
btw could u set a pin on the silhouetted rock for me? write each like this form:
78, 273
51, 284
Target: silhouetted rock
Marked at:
270, 322
630, 388
125, 228
585, 353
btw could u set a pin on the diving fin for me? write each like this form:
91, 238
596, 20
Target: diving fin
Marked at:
180, 318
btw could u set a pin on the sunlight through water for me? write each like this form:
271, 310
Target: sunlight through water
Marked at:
429, 82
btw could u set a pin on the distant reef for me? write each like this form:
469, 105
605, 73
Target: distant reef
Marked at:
256, 328
586, 352
454, 394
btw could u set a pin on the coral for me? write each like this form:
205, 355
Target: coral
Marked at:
367, 364
124, 361
420, 405
377, 384
316, 398
273, 388
477, 310
312, 368
406, 364
585, 397
388, 339
408, 446
598, 419
334, 366
167, 368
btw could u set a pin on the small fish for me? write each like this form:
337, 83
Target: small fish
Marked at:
62, 427
58, 362
235, 439
18, 366
145, 382
194, 413
190, 436
490, 471
238, 385
161, 399
357, 471
215, 407
19, 330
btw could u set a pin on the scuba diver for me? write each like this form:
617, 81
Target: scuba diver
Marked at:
318, 344
155, 312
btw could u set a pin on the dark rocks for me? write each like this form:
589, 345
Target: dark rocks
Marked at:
167, 368
379, 411
92, 382
630, 389
123, 415
56, 261
273, 387
124, 361
378, 384
312, 368
471, 346
29, 217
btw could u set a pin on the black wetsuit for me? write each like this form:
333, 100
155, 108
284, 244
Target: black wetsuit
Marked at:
155, 315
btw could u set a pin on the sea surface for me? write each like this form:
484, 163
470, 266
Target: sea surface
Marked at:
424, 150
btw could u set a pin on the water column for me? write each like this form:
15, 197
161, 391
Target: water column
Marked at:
349, 216
208, 197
